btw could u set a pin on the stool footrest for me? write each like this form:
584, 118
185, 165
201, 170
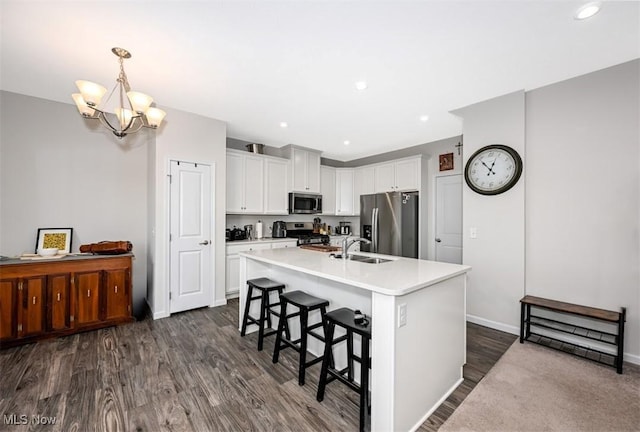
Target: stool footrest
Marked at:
316, 335
337, 375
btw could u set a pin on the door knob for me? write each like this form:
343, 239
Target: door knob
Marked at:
206, 242
438, 240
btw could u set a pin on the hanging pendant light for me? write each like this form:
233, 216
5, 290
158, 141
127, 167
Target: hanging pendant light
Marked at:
133, 110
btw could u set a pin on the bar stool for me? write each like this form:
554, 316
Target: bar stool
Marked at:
266, 286
345, 318
305, 304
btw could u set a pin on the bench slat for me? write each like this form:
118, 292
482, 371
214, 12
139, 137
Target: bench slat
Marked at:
586, 311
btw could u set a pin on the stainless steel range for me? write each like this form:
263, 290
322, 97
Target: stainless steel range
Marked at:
303, 231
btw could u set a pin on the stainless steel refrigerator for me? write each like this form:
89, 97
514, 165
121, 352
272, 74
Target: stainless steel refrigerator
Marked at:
390, 221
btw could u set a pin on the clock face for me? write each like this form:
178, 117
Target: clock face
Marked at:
493, 169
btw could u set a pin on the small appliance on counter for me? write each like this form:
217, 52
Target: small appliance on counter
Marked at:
248, 230
344, 228
237, 234
279, 229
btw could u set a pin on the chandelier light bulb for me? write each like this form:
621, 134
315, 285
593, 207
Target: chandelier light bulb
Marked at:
140, 102
91, 92
361, 85
82, 106
155, 117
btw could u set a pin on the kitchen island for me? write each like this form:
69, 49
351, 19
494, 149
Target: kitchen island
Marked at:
418, 331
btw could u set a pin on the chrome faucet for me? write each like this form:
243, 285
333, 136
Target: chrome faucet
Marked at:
347, 242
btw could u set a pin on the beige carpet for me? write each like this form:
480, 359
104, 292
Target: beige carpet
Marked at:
533, 388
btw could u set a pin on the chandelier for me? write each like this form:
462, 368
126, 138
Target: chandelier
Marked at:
132, 111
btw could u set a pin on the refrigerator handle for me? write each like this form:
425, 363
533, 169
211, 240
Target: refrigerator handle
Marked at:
374, 235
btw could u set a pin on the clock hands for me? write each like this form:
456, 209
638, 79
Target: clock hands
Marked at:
490, 168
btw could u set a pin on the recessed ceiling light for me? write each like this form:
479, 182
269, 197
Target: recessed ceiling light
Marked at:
347, 142
424, 118
283, 124
587, 11
361, 85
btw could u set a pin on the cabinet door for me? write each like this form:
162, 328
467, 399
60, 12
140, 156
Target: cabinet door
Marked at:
298, 170
88, 298
384, 178
328, 190
344, 192
58, 301
33, 305
254, 186
233, 274
235, 183
408, 175
116, 294
8, 309
363, 184
276, 188
313, 172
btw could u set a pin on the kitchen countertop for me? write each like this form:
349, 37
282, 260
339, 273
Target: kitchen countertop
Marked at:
397, 277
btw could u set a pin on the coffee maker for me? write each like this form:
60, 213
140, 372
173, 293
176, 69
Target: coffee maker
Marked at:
344, 228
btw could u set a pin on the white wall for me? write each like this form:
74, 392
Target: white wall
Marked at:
59, 170
191, 138
583, 139
496, 281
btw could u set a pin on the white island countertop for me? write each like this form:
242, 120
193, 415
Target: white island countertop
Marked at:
395, 278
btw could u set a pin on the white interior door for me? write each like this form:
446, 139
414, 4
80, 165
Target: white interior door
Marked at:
449, 219
191, 265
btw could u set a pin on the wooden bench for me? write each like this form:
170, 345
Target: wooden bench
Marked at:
582, 333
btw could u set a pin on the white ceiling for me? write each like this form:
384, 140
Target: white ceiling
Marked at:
254, 64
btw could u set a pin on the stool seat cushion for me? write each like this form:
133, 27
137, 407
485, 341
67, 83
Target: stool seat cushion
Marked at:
304, 300
345, 317
265, 284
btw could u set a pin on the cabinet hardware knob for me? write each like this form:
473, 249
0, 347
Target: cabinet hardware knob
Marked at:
34, 299
58, 296
206, 242
88, 293
116, 289
438, 240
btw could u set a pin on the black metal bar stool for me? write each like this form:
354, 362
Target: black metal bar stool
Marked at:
265, 286
305, 304
346, 318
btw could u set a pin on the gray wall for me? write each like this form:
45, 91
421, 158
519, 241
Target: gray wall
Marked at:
582, 178
496, 281
59, 170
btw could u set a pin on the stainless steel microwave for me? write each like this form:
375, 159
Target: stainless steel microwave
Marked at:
301, 203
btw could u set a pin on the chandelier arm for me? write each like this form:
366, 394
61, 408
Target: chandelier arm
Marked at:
106, 123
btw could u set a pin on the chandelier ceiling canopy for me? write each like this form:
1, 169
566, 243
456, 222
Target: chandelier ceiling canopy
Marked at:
131, 110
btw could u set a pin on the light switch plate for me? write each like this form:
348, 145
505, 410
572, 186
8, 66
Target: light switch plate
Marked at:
473, 232
402, 315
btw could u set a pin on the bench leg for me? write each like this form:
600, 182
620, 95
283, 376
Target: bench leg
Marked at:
522, 306
620, 355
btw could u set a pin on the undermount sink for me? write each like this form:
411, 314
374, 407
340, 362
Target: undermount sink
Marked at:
367, 259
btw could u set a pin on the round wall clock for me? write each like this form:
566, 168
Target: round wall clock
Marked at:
493, 169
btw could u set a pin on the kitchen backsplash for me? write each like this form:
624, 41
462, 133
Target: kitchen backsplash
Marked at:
267, 220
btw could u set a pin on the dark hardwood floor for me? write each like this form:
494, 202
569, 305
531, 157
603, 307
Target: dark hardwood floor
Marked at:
189, 372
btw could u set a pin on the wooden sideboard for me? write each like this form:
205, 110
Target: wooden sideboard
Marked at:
57, 297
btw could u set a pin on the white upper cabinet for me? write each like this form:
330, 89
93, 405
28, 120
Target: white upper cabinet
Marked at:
399, 175
305, 170
244, 193
344, 192
328, 189
276, 186
363, 184
408, 174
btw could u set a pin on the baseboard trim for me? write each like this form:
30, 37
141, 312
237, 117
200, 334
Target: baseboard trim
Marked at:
630, 358
507, 328
437, 404
219, 303
159, 315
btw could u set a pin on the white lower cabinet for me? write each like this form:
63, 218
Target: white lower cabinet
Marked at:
232, 282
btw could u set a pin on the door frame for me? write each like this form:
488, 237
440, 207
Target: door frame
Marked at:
167, 259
